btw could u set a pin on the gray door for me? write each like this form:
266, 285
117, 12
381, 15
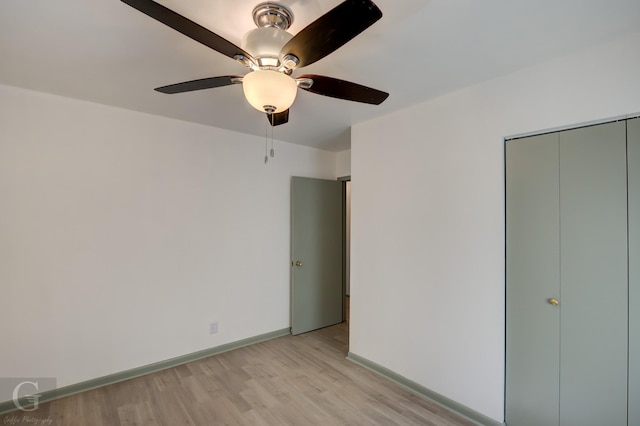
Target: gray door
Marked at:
533, 326
567, 330
593, 304
316, 247
633, 161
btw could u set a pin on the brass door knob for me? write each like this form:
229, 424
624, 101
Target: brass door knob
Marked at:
298, 263
553, 302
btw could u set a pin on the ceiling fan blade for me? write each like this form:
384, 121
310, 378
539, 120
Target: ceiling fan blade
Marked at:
329, 86
187, 27
203, 83
331, 31
278, 118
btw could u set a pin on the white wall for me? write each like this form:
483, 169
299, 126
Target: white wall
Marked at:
427, 272
122, 235
343, 163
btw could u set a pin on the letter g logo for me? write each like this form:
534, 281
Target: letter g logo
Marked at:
30, 398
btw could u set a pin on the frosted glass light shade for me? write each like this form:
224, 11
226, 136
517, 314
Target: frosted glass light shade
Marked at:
264, 44
267, 88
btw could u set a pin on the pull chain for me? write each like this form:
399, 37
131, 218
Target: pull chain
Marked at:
266, 143
272, 152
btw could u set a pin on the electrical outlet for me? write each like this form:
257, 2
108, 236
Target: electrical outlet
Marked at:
213, 327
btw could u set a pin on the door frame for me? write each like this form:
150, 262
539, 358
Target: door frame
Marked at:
345, 258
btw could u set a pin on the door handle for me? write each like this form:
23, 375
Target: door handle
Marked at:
553, 302
298, 263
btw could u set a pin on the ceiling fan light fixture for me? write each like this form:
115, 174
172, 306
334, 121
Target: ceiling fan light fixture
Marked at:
269, 91
272, 54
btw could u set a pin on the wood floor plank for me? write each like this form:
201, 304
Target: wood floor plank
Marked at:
292, 380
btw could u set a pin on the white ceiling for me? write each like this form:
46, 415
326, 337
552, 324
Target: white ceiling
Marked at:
107, 52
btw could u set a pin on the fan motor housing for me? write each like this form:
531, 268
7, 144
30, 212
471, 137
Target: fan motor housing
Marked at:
264, 44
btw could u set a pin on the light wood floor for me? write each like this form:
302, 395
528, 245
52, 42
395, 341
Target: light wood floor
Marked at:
301, 380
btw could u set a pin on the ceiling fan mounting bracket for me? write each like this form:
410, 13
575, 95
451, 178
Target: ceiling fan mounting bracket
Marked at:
304, 83
272, 14
245, 61
290, 61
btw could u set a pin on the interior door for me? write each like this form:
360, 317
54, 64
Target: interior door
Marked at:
316, 247
567, 284
633, 161
533, 278
593, 276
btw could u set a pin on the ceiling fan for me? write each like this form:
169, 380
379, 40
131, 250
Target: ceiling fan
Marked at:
272, 54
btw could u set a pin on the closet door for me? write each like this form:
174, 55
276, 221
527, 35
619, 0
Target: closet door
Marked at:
633, 161
593, 276
533, 256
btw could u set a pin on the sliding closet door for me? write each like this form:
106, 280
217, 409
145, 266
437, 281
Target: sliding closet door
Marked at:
593, 276
532, 389
633, 161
